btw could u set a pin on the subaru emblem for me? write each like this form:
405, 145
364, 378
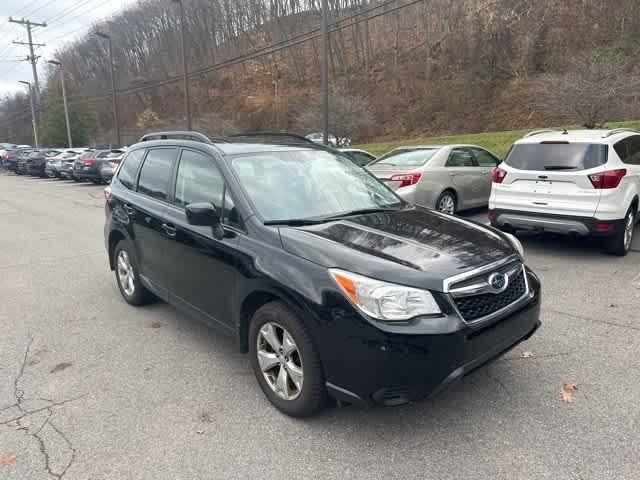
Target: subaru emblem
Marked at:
498, 282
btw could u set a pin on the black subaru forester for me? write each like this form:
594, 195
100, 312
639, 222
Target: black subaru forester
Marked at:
331, 283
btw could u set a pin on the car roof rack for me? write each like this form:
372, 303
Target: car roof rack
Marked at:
278, 136
544, 130
615, 131
181, 135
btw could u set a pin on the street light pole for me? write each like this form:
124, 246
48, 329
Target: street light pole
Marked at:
325, 72
33, 113
185, 71
64, 101
116, 123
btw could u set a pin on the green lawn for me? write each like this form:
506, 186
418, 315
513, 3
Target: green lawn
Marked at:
497, 142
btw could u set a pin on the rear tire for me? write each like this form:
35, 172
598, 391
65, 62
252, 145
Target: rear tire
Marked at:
447, 203
308, 395
620, 243
127, 279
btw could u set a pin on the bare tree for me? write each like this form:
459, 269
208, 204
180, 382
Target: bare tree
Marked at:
349, 116
592, 91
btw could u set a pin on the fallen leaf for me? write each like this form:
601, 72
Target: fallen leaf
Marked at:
155, 325
205, 417
23, 426
566, 390
7, 459
199, 432
528, 354
61, 366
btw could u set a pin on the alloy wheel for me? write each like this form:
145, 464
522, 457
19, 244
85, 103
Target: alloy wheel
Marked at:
125, 273
447, 204
280, 361
628, 230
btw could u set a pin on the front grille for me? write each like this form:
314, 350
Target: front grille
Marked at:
478, 306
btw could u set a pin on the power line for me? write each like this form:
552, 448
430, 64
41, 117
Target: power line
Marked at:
296, 40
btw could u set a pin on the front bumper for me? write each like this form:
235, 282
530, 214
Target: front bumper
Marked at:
545, 222
376, 368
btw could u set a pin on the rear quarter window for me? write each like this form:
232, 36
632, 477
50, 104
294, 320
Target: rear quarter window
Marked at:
556, 156
129, 169
628, 150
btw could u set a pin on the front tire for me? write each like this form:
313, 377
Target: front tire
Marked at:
285, 361
620, 243
127, 278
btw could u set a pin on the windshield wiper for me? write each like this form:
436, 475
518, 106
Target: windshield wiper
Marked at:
363, 211
296, 222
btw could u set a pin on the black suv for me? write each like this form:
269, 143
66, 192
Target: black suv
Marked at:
329, 281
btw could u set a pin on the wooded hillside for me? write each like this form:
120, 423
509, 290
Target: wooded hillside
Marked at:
417, 66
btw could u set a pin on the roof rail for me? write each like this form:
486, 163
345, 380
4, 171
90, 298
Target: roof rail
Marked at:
615, 131
278, 135
544, 130
180, 135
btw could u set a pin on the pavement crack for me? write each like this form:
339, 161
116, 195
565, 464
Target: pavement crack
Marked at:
594, 320
496, 380
17, 393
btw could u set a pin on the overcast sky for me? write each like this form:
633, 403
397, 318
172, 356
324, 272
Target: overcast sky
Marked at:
66, 20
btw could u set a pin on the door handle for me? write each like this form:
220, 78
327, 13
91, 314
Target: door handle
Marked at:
169, 229
130, 210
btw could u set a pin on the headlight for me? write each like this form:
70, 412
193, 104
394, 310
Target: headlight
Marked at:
385, 301
516, 244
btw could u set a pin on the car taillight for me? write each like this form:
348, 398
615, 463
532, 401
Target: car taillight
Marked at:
89, 161
498, 174
406, 179
608, 179
107, 193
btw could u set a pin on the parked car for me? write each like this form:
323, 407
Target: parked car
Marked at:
21, 155
89, 165
580, 182
108, 169
54, 164
449, 178
10, 161
333, 284
4, 149
332, 140
67, 168
35, 162
359, 157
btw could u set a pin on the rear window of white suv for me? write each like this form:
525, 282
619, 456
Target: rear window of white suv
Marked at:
556, 156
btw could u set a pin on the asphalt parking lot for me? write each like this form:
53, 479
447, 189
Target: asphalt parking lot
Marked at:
91, 388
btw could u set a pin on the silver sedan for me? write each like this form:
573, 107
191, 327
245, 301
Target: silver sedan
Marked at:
448, 178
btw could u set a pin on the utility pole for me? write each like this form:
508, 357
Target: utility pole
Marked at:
33, 112
325, 72
64, 101
116, 123
32, 57
185, 71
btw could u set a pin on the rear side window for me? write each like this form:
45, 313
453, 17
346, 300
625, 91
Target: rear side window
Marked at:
556, 156
484, 158
629, 150
129, 169
155, 174
460, 157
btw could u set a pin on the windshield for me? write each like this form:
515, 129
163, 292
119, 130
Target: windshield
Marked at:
307, 184
556, 156
406, 158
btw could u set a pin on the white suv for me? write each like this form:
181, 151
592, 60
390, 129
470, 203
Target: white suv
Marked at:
580, 182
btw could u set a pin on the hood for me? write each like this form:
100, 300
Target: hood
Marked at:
414, 246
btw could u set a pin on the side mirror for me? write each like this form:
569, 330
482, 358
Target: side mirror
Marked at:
202, 214
205, 214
